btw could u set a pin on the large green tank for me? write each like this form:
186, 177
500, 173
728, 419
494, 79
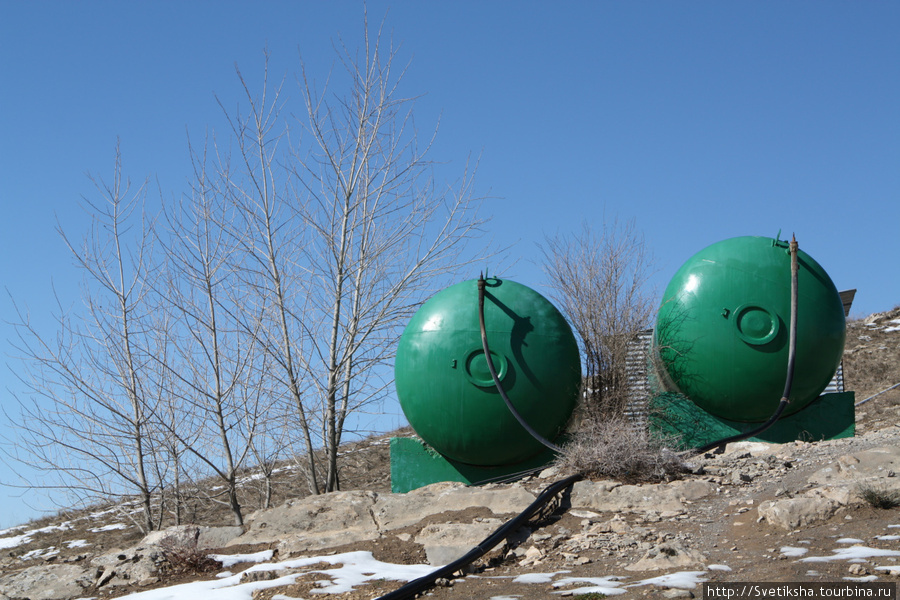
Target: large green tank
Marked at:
446, 390
724, 322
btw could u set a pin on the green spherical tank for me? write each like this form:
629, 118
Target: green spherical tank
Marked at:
724, 322
445, 387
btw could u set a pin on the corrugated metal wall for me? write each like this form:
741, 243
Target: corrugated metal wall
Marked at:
639, 383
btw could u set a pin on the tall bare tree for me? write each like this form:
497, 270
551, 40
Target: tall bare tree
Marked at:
216, 373
87, 418
346, 228
379, 229
599, 279
268, 236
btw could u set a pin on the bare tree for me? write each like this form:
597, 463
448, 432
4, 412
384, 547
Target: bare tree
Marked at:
379, 230
213, 364
599, 281
268, 236
346, 229
86, 422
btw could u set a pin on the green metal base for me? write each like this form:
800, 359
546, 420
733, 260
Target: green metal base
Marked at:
414, 464
830, 416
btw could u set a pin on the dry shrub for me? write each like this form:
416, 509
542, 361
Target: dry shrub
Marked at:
616, 449
183, 556
878, 497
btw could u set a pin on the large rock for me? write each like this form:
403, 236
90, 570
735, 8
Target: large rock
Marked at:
659, 497
393, 511
317, 522
877, 462
139, 565
201, 536
51, 582
445, 542
314, 522
793, 513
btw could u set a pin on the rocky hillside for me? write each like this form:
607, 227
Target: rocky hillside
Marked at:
757, 512
871, 365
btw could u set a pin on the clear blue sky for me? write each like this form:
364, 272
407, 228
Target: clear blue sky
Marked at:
700, 120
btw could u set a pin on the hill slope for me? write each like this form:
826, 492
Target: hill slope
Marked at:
721, 536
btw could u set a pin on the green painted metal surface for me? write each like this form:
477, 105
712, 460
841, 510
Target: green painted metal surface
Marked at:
414, 465
445, 387
723, 325
830, 416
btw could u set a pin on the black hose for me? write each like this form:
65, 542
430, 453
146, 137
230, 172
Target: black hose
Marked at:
504, 531
792, 355
499, 386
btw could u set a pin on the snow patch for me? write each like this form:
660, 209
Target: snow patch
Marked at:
16, 540
598, 585
537, 577
852, 553
110, 527
229, 560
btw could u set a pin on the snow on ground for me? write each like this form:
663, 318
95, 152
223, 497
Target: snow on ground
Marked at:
16, 540
793, 551
852, 553
352, 569
25, 537
40, 553
229, 560
109, 527
537, 577
609, 586
683, 580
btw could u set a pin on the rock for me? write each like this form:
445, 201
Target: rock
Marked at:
660, 497
747, 449
533, 556
138, 565
668, 555
843, 495
314, 523
393, 511
252, 576
677, 593
549, 473
793, 513
447, 542
738, 478
877, 462
204, 537
51, 582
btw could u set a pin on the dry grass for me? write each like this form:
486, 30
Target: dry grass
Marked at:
878, 497
183, 556
614, 449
